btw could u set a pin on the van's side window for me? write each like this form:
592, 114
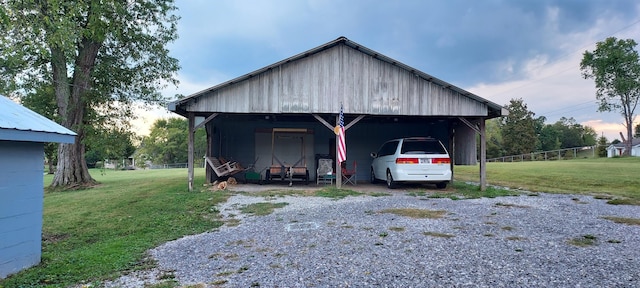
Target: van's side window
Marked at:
388, 148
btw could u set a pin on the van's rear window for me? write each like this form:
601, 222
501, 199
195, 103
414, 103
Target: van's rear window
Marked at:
422, 147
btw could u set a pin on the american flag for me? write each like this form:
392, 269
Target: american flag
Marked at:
342, 145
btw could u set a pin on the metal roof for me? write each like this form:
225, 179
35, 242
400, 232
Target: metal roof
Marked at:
18, 123
495, 109
634, 142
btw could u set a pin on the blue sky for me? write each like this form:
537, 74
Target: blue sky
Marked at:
496, 49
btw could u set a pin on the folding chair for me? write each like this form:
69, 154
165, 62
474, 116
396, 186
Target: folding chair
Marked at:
349, 176
324, 173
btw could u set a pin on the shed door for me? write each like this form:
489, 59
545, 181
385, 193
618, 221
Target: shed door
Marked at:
288, 149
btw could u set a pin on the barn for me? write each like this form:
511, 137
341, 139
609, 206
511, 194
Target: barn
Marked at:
22, 137
284, 114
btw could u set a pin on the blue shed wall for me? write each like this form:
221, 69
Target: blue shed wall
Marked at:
21, 191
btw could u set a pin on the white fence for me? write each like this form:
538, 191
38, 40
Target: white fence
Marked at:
560, 154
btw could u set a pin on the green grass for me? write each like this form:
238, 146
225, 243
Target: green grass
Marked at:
262, 208
438, 234
328, 192
96, 233
584, 241
335, 193
616, 177
415, 213
467, 191
623, 220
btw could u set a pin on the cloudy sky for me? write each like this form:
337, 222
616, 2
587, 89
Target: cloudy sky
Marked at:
499, 50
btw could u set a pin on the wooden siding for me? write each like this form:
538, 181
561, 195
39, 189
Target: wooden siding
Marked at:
21, 194
319, 82
465, 145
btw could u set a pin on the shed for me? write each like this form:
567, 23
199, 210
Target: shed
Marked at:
285, 113
619, 149
22, 137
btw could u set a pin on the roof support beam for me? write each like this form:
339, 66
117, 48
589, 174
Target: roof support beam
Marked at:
353, 122
214, 115
191, 118
471, 125
325, 123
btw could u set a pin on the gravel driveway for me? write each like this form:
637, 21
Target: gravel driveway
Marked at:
518, 241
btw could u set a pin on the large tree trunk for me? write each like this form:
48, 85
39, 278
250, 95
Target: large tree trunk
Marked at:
72, 172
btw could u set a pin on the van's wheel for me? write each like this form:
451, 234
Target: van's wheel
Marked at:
441, 185
373, 177
390, 183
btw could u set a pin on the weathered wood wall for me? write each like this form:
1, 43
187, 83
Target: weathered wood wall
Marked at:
320, 82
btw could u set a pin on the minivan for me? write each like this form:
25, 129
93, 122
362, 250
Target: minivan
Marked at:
415, 159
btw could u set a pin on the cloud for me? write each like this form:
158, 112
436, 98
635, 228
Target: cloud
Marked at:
497, 49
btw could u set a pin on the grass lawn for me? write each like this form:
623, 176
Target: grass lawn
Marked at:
93, 234
616, 177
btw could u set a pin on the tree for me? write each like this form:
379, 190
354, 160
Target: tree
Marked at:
168, 140
615, 67
43, 101
601, 149
100, 57
109, 143
572, 134
549, 138
494, 139
518, 129
637, 133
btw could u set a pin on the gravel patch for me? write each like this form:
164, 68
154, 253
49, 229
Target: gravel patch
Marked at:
520, 241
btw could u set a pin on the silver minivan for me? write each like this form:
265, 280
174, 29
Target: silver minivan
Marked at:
415, 159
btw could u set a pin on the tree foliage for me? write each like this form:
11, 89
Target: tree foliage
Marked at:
108, 143
168, 141
521, 133
101, 57
518, 129
572, 134
601, 150
615, 67
494, 139
43, 101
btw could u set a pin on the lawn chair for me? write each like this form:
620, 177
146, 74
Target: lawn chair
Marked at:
349, 176
223, 169
324, 173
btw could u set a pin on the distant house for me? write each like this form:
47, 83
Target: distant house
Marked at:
22, 137
619, 149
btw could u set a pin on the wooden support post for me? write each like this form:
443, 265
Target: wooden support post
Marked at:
338, 165
483, 156
325, 123
191, 150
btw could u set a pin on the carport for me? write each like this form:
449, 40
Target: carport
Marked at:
285, 113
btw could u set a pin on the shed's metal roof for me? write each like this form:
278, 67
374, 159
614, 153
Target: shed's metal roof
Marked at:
495, 109
634, 142
18, 123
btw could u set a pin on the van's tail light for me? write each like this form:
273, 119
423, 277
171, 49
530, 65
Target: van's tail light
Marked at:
440, 160
407, 161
